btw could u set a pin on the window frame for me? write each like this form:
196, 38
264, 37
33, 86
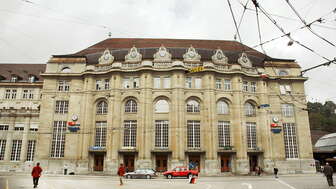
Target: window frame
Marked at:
131, 106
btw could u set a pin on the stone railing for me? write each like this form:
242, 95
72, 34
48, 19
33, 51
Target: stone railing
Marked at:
162, 64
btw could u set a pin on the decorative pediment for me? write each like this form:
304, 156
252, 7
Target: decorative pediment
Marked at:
244, 60
219, 57
162, 55
191, 55
133, 55
106, 57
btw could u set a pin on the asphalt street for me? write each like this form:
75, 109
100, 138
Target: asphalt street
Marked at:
108, 182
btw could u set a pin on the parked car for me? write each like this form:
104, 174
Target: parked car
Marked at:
141, 173
180, 172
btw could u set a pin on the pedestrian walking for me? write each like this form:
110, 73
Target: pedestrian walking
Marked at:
328, 172
36, 174
121, 172
259, 170
275, 172
65, 167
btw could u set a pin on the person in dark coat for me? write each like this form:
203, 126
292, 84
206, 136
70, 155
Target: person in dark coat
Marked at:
328, 172
275, 172
36, 174
121, 173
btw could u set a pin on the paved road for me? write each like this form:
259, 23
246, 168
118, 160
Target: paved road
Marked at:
106, 182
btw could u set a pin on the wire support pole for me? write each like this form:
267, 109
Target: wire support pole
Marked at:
308, 25
323, 64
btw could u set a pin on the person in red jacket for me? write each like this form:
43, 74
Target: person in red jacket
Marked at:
121, 172
36, 173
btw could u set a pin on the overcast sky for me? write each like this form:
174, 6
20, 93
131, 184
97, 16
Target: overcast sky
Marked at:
33, 30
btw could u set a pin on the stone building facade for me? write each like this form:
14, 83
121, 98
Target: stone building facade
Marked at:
20, 92
218, 106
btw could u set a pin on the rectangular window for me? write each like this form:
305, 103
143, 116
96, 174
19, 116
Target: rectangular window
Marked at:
157, 82
194, 135
218, 83
136, 82
285, 89
253, 88
227, 84
31, 150
188, 82
251, 133
28, 94
223, 134
245, 86
62, 106
131, 82
63, 85
19, 127
101, 129
130, 129
16, 150
2, 149
166, 82
198, 83
161, 133
4, 127
7, 94
58, 139
98, 85
287, 110
106, 84
291, 148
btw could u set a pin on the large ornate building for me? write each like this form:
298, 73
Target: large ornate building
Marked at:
160, 103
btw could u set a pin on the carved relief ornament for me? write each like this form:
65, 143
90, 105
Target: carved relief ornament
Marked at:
106, 58
219, 57
162, 55
133, 56
244, 60
191, 55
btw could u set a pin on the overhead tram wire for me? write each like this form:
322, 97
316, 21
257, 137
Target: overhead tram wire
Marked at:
234, 20
289, 18
302, 27
283, 31
259, 33
308, 25
242, 16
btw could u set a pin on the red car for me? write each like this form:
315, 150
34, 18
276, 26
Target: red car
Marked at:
180, 172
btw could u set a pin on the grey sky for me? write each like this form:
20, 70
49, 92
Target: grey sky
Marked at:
33, 30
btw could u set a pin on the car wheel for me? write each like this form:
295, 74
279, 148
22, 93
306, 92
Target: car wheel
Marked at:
148, 177
190, 176
169, 176
128, 176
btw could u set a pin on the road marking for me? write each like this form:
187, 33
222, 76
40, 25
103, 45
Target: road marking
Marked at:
248, 185
7, 187
284, 183
209, 186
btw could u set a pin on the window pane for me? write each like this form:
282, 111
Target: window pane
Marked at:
198, 83
162, 106
157, 82
222, 107
223, 134
251, 133
166, 82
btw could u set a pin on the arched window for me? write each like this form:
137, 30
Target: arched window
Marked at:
282, 73
249, 109
131, 106
222, 107
193, 106
162, 106
102, 107
66, 70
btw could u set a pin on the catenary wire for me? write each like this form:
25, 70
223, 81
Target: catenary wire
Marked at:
308, 25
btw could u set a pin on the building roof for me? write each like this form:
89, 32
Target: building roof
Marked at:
326, 143
23, 71
119, 47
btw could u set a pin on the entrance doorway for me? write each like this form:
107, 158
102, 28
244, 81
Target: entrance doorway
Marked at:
161, 163
129, 162
98, 162
253, 162
225, 163
195, 162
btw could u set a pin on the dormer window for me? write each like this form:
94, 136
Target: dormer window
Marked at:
283, 73
14, 78
32, 78
66, 70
